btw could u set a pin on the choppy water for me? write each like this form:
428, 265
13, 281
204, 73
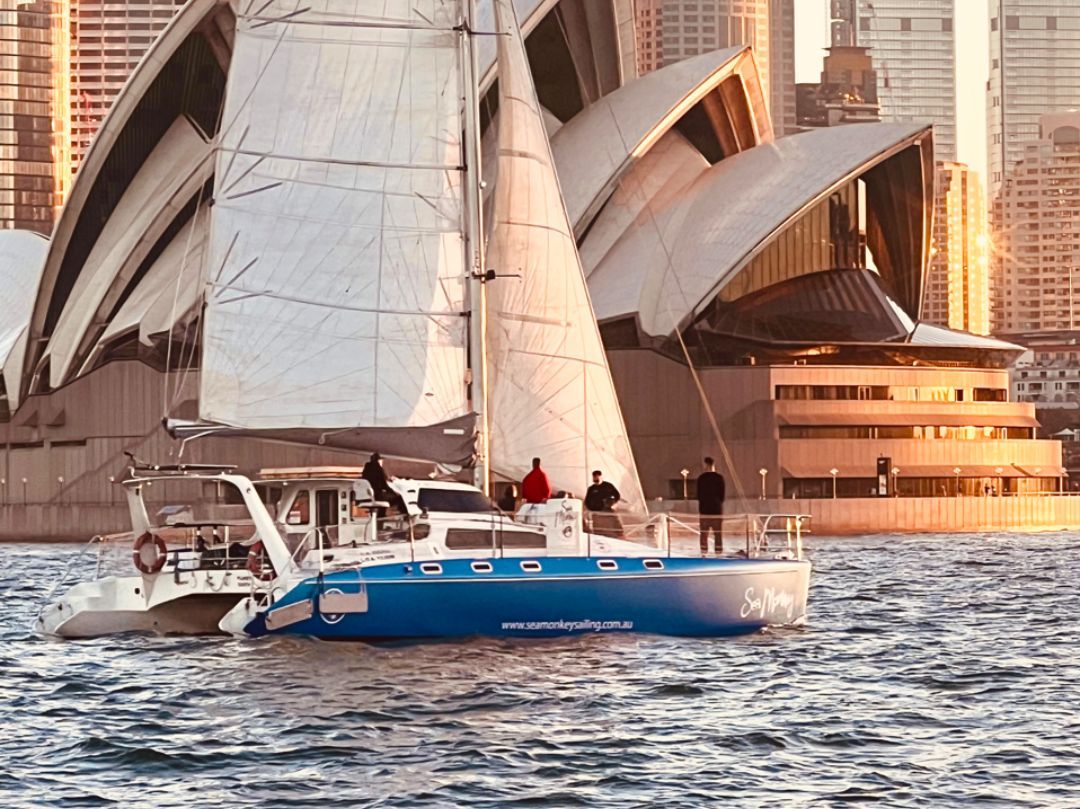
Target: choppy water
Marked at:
935, 671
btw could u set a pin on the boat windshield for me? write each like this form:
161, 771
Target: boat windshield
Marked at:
457, 501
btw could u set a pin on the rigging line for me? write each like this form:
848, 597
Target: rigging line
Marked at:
260, 22
176, 297
337, 161
254, 86
337, 306
714, 424
228, 169
260, 189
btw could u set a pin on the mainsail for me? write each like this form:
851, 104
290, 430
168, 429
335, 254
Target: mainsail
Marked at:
336, 300
551, 392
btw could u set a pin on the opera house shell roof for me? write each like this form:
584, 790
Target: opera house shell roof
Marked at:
674, 183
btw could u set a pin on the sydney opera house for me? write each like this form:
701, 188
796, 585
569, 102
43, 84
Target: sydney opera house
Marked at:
764, 289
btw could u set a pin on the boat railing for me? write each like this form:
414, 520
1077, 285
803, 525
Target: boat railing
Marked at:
754, 534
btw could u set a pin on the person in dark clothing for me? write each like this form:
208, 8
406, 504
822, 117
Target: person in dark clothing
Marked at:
600, 499
710, 497
602, 495
380, 484
508, 501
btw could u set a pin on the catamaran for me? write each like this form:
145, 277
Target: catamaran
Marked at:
356, 298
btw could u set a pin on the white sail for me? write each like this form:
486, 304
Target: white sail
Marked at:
335, 273
551, 392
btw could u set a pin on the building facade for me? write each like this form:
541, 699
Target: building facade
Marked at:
1036, 257
33, 123
1033, 71
846, 94
958, 283
107, 41
671, 30
913, 47
782, 74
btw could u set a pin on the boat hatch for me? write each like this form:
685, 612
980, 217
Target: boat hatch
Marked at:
607, 564
530, 567
654, 564
431, 568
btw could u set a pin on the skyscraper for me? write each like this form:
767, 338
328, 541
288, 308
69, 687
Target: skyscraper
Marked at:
33, 123
1036, 282
958, 285
1033, 70
671, 30
108, 38
912, 45
782, 54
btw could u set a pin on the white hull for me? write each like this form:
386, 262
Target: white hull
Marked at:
186, 603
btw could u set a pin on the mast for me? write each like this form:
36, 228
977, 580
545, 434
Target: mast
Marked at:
475, 268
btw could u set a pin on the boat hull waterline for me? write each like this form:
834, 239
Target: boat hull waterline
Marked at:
566, 596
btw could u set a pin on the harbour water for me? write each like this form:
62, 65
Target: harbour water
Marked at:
935, 671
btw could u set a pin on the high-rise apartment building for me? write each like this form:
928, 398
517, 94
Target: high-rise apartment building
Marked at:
913, 47
33, 123
647, 37
1036, 273
1034, 70
957, 291
108, 38
671, 30
782, 55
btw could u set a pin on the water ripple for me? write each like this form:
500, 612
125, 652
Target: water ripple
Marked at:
935, 671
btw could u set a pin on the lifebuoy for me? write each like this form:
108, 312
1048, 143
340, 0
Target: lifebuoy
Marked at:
161, 553
255, 565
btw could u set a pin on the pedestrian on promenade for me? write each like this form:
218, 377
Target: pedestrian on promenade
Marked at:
710, 497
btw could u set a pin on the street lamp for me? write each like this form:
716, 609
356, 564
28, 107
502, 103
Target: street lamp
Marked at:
764, 473
24, 491
895, 475
956, 471
1000, 483
834, 472
685, 490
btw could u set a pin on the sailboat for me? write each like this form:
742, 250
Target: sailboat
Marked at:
540, 386
355, 298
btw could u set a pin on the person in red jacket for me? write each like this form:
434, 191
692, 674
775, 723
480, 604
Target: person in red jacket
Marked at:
536, 488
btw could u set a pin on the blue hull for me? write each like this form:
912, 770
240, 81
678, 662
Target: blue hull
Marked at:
567, 596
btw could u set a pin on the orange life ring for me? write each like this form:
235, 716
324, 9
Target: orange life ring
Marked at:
160, 555
255, 565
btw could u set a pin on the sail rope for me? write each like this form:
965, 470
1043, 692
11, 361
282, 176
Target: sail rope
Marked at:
714, 424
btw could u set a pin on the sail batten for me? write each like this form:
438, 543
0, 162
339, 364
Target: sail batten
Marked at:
335, 291
552, 394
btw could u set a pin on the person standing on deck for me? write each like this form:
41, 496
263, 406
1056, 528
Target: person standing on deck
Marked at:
536, 488
710, 497
600, 500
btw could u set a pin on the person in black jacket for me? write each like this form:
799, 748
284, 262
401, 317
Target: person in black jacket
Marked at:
600, 500
710, 497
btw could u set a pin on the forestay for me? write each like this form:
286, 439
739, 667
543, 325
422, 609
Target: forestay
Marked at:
551, 393
335, 272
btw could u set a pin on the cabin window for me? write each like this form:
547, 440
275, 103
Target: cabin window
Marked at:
300, 510
460, 539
